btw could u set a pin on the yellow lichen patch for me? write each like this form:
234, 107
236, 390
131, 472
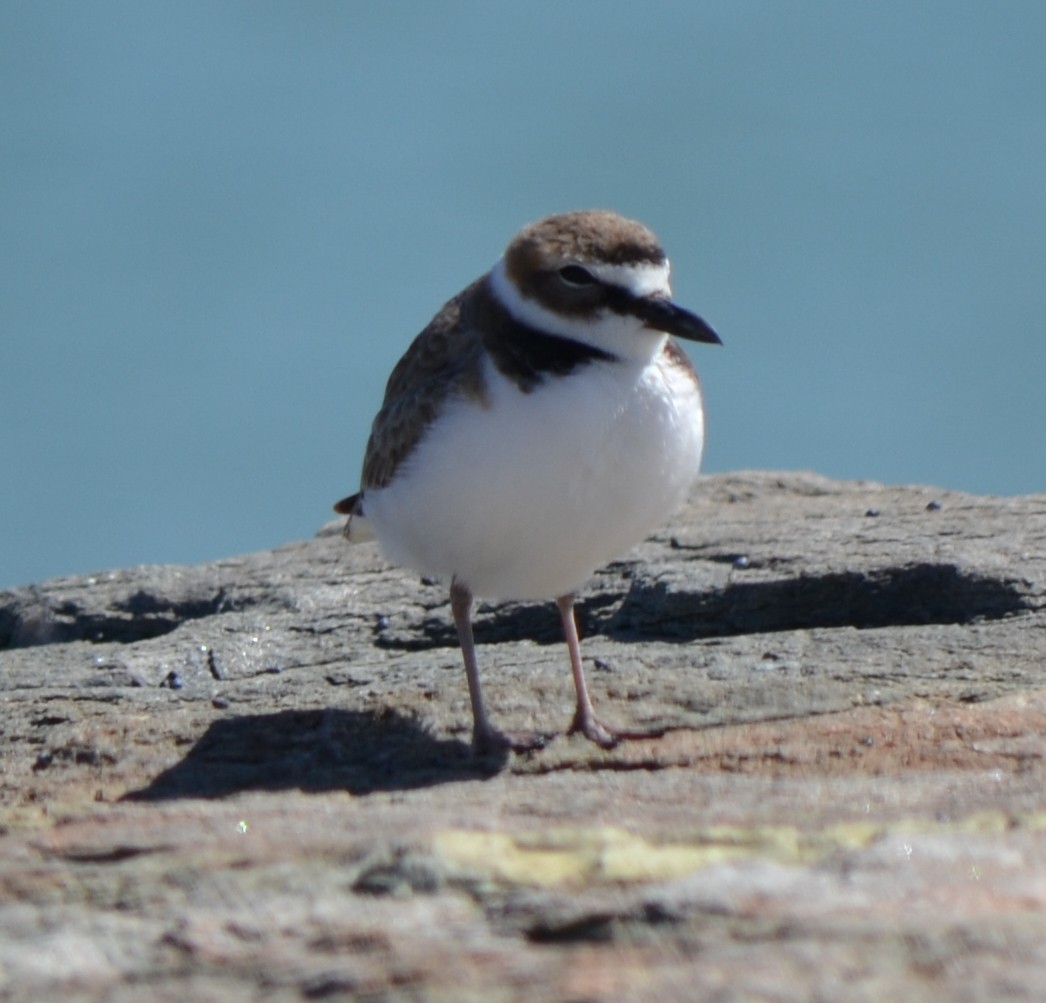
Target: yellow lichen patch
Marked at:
1036, 820
846, 836
609, 854
583, 856
497, 855
783, 843
988, 823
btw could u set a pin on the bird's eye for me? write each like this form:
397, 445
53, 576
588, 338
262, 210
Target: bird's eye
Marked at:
575, 275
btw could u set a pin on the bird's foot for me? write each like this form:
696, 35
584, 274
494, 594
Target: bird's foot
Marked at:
606, 736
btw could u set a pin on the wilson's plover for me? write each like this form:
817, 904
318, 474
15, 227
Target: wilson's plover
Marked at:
542, 424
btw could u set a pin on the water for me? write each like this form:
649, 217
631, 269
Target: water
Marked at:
224, 222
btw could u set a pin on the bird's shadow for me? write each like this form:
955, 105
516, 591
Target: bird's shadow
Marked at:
316, 750
360, 752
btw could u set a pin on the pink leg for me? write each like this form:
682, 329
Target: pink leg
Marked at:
485, 738
585, 719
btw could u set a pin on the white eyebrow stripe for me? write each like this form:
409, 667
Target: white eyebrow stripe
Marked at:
644, 279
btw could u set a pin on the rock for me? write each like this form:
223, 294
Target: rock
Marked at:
251, 778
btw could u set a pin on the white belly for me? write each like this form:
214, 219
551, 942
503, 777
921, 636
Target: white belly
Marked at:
525, 498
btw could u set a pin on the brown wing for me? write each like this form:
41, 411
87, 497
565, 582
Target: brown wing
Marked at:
445, 359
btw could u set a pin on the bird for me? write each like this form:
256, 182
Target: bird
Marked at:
542, 424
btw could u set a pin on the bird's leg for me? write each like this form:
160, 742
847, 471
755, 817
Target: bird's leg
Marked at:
485, 738
585, 719
461, 607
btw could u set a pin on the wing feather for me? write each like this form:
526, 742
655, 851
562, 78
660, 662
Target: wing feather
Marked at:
444, 360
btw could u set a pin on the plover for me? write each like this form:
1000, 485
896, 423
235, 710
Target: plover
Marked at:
541, 425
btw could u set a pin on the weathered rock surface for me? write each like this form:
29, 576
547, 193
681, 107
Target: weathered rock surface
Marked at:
251, 779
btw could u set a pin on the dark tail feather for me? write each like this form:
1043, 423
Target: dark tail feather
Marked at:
350, 506
357, 529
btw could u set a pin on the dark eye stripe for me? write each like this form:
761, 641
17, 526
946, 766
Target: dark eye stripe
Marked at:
575, 275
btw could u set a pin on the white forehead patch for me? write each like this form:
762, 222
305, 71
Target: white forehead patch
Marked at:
644, 279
